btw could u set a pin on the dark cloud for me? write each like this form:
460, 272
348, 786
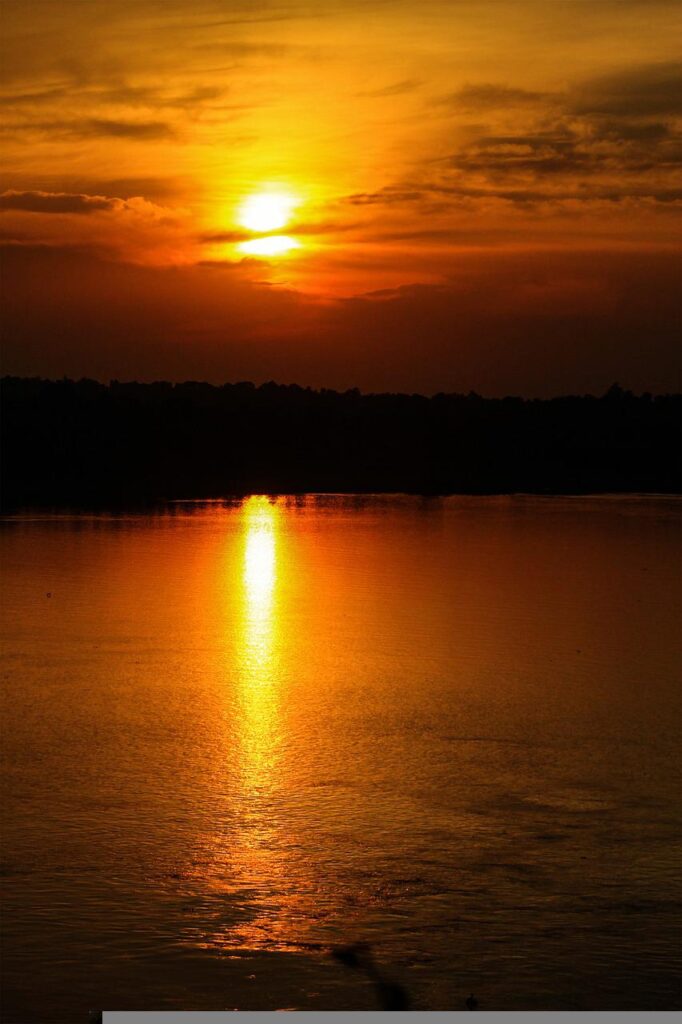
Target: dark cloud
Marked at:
56, 202
142, 130
599, 193
155, 188
590, 147
649, 91
543, 153
492, 96
608, 138
32, 99
634, 131
388, 195
238, 235
524, 196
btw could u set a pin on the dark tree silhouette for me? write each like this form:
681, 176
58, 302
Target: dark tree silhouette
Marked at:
82, 443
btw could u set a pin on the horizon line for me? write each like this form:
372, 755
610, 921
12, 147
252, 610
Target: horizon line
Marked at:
615, 390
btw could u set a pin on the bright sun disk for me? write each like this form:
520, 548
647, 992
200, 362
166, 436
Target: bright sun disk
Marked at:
266, 211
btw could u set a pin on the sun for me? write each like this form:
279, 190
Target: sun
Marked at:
266, 211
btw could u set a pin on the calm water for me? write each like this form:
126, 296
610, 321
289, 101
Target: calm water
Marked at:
238, 734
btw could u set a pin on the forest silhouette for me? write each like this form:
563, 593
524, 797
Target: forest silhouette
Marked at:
85, 444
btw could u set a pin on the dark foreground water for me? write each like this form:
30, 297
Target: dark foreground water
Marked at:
237, 734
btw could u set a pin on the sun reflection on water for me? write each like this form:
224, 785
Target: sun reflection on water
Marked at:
257, 684
261, 842
258, 891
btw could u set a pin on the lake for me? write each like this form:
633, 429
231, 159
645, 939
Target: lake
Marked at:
238, 734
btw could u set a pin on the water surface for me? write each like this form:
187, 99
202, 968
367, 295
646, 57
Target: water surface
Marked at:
239, 733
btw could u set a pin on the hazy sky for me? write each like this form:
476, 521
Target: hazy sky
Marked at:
483, 194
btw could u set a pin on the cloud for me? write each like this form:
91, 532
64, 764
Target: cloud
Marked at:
634, 131
493, 96
135, 130
55, 202
134, 229
238, 235
652, 90
593, 200
628, 157
93, 128
387, 196
540, 147
97, 99
543, 153
33, 98
606, 139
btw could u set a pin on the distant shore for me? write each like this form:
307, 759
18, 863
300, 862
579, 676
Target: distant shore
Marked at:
83, 444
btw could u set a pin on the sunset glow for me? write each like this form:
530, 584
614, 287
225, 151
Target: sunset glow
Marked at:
474, 202
340, 410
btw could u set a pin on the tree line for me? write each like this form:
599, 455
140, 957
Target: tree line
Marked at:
83, 443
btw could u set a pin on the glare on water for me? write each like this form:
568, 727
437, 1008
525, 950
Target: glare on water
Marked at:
257, 683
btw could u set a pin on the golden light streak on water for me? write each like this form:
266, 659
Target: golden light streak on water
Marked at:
249, 863
257, 683
260, 851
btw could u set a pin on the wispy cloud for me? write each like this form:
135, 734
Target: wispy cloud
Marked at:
134, 229
652, 90
93, 128
142, 130
56, 202
492, 96
604, 139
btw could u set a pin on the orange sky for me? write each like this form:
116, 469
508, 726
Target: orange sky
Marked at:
488, 193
